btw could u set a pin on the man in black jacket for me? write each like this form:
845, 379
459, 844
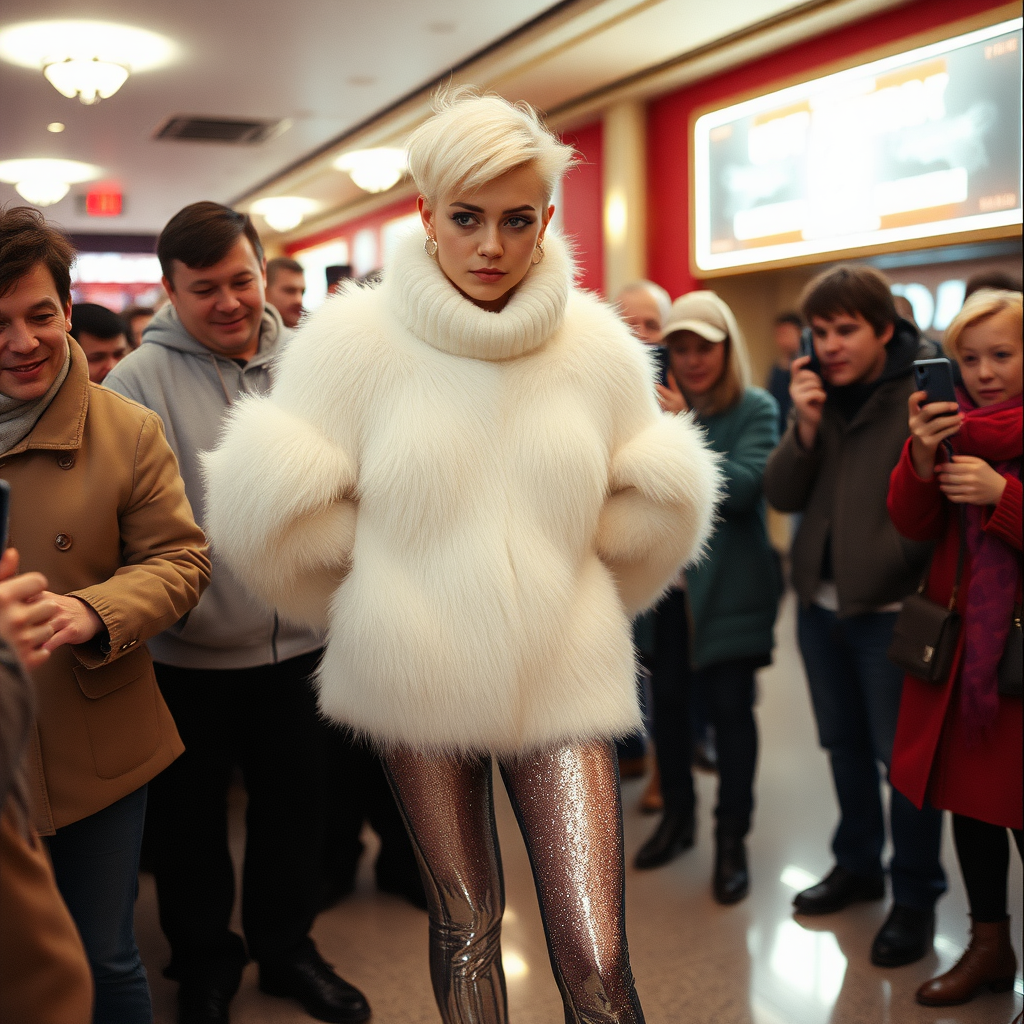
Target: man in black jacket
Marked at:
851, 571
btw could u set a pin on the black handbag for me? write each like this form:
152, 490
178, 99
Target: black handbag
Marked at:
1010, 664
924, 637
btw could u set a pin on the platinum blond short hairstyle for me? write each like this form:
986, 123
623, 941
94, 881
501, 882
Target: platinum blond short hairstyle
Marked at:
474, 138
982, 305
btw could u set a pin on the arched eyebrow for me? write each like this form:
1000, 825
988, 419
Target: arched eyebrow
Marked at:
479, 209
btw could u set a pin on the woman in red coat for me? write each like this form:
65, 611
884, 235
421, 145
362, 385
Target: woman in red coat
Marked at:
959, 743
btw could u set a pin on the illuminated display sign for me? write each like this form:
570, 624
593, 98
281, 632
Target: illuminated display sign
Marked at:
918, 145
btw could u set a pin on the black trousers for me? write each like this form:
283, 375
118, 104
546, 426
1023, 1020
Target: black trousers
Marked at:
263, 720
984, 854
727, 690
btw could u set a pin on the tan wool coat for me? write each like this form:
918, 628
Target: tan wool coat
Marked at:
98, 506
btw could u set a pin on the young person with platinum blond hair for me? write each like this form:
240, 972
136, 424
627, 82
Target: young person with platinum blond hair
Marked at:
464, 477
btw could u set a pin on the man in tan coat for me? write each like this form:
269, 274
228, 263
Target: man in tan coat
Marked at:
97, 506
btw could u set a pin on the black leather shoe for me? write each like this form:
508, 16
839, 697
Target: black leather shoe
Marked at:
838, 889
673, 836
732, 880
906, 937
308, 979
203, 1003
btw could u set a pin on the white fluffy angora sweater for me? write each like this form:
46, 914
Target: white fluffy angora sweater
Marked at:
473, 504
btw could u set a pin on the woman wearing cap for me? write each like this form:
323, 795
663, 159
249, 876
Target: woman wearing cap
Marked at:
733, 593
463, 475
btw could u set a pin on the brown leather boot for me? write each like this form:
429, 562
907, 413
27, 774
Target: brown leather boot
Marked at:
989, 961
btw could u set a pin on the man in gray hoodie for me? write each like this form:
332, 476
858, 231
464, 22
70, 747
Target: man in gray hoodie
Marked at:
236, 678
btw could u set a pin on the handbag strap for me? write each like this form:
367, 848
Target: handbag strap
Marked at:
960, 556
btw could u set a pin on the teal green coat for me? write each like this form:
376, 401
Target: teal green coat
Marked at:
734, 590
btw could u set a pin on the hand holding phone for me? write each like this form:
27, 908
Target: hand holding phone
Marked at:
934, 415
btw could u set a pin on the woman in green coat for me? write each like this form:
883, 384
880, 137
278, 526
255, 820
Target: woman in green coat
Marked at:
721, 624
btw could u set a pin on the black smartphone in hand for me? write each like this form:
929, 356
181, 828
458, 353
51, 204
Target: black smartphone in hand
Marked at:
5, 513
661, 361
807, 349
935, 377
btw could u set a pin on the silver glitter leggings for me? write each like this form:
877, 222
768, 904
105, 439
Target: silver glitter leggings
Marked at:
567, 804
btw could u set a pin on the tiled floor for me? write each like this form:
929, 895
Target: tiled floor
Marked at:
694, 961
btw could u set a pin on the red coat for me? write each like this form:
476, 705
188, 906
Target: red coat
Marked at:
930, 757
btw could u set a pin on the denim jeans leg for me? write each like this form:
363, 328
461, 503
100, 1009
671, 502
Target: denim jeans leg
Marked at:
917, 876
844, 731
96, 862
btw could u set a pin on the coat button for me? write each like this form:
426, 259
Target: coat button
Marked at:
128, 646
63, 541
66, 461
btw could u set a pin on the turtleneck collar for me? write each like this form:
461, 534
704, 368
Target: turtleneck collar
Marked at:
435, 311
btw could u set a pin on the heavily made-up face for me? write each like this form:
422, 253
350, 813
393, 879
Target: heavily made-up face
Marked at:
849, 350
33, 335
487, 239
991, 360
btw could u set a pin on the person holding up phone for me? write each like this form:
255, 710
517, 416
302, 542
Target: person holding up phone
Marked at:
959, 744
851, 571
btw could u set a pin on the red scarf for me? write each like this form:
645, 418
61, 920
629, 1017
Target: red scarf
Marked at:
994, 433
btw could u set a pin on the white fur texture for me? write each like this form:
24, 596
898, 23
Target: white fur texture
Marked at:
486, 514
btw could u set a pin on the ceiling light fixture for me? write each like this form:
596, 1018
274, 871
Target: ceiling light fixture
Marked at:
44, 182
55, 126
374, 170
283, 213
88, 59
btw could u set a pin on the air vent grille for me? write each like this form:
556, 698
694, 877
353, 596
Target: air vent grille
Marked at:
231, 130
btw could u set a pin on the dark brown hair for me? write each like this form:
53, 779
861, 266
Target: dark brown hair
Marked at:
200, 235
279, 263
853, 290
26, 240
996, 280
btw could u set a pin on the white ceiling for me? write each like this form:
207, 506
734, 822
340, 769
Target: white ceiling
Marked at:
326, 64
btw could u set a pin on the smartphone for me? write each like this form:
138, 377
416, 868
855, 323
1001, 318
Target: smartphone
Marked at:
5, 513
807, 349
661, 360
935, 376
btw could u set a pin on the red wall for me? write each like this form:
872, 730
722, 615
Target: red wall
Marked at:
374, 221
668, 119
583, 202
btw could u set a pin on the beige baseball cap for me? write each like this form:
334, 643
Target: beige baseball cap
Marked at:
700, 312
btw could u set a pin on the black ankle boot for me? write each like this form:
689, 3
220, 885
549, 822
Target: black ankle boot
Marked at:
732, 880
673, 836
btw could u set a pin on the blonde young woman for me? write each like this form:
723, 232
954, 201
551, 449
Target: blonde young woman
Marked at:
463, 475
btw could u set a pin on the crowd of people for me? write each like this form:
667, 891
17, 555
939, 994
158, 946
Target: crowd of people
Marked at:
451, 516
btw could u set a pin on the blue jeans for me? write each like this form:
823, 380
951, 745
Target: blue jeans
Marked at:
96, 861
855, 691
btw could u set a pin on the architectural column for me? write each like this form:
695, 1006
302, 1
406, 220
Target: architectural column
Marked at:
625, 195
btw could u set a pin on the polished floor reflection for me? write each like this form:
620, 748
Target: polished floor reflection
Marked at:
694, 961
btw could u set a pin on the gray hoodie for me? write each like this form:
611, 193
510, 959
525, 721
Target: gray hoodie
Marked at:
191, 388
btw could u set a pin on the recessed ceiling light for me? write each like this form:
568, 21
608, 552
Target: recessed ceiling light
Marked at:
90, 59
44, 182
55, 127
441, 28
360, 80
374, 170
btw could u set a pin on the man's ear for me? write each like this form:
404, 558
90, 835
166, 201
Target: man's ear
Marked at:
67, 317
168, 287
886, 336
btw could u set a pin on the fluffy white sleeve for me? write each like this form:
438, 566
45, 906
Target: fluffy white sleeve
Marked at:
280, 508
665, 485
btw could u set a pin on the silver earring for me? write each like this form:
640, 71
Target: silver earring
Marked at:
430, 246
538, 254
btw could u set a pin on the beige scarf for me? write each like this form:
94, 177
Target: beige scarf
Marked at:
17, 417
